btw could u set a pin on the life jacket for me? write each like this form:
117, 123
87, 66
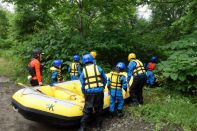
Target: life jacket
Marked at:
139, 68
74, 69
59, 77
32, 71
115, 80
92, 76
151, 66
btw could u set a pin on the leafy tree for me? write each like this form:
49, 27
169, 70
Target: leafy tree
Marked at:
4, 24
66, 28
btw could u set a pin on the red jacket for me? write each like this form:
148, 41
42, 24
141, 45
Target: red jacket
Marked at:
34, 63
151, 66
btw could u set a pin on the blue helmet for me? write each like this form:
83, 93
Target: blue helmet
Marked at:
87, 58
76, 57
121, 66
57, 62
153, 59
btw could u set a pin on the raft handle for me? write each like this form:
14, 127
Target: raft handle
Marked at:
15, 108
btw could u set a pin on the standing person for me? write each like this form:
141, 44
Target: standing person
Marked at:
137, 70
94, 54
56, 76
115, 83
150, 76
75, 68
34, 68
151, 80
93, 80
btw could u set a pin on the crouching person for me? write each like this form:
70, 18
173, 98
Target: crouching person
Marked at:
115, 83
93, 80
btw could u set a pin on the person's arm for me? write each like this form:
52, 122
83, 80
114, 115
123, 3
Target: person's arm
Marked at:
94, 61
108, 83
81, 78
123, 82
38, 73
69, 69
103, 76
79, 69
131, 67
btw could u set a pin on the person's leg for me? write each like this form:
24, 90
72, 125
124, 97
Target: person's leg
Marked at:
88, 109
120, 105
134, 90
86, 114
34, 83
140, 89
112, 104
98, 106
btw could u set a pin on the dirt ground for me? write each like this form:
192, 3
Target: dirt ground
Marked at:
13, 121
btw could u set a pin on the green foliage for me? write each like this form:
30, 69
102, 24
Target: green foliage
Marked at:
5, 44
181, 66
31, 16
77, 27
65, 28
187, 23
11, 66
3, 24
167, 107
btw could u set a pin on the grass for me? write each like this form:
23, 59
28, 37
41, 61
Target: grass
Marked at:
11, 66
5, 67
171, 108
6, 64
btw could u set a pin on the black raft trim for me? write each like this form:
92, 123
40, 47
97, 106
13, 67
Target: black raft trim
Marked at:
45, 117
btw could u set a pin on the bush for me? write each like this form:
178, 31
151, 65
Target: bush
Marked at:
5, 44
167, 107
180, 69
58, 43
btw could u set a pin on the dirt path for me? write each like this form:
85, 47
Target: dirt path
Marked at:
13, 121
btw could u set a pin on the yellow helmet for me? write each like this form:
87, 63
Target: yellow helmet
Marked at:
93, 53
131, 56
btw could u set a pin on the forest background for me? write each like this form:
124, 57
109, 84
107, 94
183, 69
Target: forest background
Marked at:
63, 28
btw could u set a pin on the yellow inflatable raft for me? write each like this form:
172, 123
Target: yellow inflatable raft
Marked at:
61, 104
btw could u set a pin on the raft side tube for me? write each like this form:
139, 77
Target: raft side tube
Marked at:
45, 117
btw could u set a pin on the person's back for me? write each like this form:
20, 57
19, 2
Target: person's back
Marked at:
151, 66
93, 80
75, 68
56, 75
116, 82
138, 72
